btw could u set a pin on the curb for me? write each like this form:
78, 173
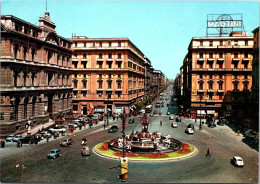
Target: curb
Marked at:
148, 160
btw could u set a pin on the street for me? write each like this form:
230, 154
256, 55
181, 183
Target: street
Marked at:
72, 167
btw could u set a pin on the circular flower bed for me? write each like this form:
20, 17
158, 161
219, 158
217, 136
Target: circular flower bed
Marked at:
185, 151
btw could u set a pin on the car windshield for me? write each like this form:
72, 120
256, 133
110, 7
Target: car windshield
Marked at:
53, 151
239, 160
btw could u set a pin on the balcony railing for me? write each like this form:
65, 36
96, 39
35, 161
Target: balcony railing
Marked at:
236, 59
220, 91
200, 59
210, 90
201, 90
211, 59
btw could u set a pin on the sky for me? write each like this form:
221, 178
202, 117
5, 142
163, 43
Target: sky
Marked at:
162, 30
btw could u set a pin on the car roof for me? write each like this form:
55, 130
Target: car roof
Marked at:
55, 150
237, 157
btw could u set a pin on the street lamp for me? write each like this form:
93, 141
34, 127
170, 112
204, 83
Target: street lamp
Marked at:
123, 131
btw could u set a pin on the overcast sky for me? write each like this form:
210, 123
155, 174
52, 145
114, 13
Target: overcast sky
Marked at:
162, 30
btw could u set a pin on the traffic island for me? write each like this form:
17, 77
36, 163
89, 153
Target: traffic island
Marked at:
186, 151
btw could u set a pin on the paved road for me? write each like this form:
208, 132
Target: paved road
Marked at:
72, 167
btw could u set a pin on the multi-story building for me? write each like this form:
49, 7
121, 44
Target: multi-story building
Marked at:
216, 75
148, 70
156, 80
35, 72
255, 79
108, 74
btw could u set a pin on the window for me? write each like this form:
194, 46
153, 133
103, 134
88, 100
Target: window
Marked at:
100, 85
119, 95
235, 55
210, 76
221, 43
84, 56
100, 55
210, 86
229, 43
109, 85
84, 85
75, 107
119, 56
201, 43
84, 75
85, 44
235, 65
210, 65
76, 44
75, 94
12, 116
220, 97
75, 84
201, 76
236, 43
211, 43
201, 86
220, 76
109, 95
245, 86
2, 116
75, 55
110, 56
201, 65
245, 76
24, 53
221, 55
210, 96
235, 86
100, 44
119, 44
119, 64
84, 93
119, 76
100, 76
100, 64
220, 65
119, 85
211, 55
76, 75
100, 95
246, 43
109, 44
201, 55
109, 65
245, 65
94, 44
220, 87
109, 76
246, 55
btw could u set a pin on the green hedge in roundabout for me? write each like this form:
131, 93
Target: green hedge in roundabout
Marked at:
186, 150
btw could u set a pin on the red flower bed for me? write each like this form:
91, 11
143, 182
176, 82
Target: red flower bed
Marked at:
154, 155
184, 148
104, 146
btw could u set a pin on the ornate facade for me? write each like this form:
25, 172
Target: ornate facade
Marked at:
109, 73
217, 75
35, 72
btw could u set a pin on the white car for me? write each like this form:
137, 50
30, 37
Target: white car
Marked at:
189, 130
174, 124
171, 117
56, 129
237, 161
17, 138
9, 138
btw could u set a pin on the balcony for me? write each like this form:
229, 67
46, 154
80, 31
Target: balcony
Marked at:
245, 80
109, 59
210, 90
75, 59
109, 89
119, 59
200, 59
245, 59
119, 89
201, 90
84, 59
100, 89
235, 59
211, 59
220, 80
100, 59
221, 59
220, 91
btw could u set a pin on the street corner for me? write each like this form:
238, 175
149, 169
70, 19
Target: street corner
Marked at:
186, 151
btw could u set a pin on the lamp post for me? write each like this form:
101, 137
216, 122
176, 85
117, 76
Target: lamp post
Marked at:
200, 111
123, 131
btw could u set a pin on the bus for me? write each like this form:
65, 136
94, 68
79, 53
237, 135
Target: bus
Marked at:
148, 109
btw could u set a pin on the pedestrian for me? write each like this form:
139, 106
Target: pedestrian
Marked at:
161, 123
238, 131
3, 144
47, 138
21, 143
208, 153
104, 125
18, 144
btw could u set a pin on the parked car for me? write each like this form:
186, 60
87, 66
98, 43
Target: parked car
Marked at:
85, 151
171, 117
54, 153
57, 129
168, 113
237, 161
66, 142
131, 121
26, 140
112, 129
174, 124
45, 134
178, 119
17, 138
221, 123
9, 138
155, 112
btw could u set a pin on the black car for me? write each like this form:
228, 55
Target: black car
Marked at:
112, 129
26, 140
178, 119
131, 121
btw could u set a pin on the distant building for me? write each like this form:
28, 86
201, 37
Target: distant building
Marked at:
109, 74
255, 78
217, 75
35, 72
148, 77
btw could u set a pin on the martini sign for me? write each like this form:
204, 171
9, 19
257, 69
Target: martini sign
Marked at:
224, 23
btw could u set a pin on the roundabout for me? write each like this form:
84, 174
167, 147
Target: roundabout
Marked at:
186, 151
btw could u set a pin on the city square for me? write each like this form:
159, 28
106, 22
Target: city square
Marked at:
80, 104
